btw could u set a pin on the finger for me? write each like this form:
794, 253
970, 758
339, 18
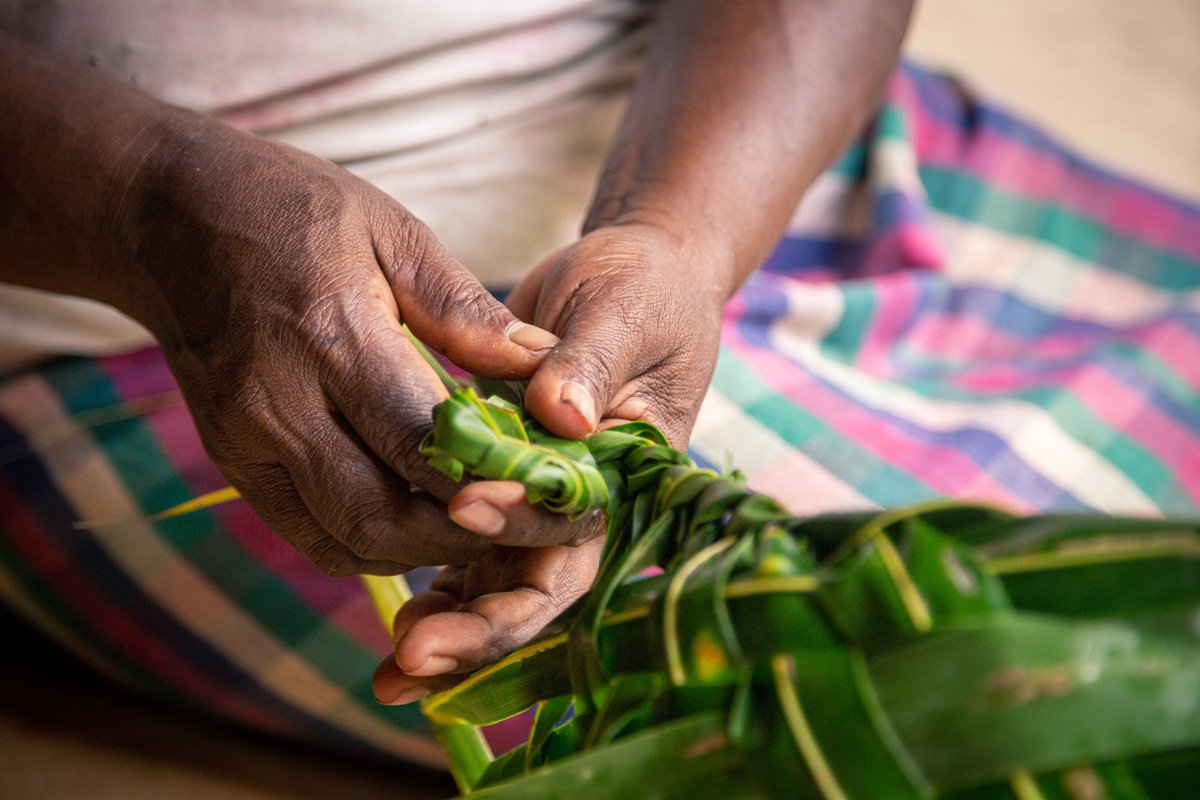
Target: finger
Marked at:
425, 604
611, 341
446, 307
386, 397
386, 392
391, 683
523, 299
669, 396
499, 511
545, 581
393, 687
269, 490
601, 373
366, 507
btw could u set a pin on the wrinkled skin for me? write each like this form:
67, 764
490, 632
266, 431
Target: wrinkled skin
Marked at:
282, 324
704, 174
277, 284
605, 301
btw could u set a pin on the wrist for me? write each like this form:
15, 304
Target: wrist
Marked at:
706, 250
77, 146
151, 204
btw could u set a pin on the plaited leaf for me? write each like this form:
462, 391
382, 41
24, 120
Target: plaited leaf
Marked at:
490, 440
937, 651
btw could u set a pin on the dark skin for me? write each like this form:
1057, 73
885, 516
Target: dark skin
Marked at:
277, 282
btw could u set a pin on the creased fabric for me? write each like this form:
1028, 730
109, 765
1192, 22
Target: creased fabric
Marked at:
960, 307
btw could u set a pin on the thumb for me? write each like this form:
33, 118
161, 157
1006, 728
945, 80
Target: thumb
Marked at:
447, 308
600, 354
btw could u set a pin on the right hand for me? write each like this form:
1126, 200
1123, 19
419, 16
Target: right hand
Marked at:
277, 284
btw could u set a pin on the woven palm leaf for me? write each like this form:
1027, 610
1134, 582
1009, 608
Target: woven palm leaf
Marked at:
937, 651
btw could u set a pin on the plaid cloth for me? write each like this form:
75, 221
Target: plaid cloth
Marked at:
960, 307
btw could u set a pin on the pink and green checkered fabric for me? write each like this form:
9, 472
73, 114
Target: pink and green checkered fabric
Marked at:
960, 307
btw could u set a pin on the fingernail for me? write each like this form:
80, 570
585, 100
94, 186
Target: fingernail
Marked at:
577, 397
481, 517
436, 665
530, 337
407, 696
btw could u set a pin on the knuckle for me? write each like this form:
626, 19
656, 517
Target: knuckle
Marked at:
401, 446
610, 339
401, 244
548, 603
569, 587
601, 362
455, 297
333, 559
480, 305
250, 401
367, 528
334, 312
586, 529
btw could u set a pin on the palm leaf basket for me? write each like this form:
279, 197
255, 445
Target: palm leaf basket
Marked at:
936, 651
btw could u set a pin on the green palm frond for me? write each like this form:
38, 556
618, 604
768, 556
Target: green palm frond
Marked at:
938, 651
491, 440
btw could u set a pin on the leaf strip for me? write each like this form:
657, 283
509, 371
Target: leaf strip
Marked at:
914, 603
195, 504
675, 666
1024, 786
776, 585
388, 593
1035, 562
782, 667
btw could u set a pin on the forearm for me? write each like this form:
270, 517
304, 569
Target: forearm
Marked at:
74, 144
739, 107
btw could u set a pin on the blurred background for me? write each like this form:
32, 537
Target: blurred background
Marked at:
1118, 80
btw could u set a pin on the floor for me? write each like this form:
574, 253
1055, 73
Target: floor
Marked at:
67, 733
1119, 79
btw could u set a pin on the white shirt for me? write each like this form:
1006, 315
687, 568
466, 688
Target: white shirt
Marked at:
488, 120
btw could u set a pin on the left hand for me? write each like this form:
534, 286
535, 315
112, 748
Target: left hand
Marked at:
639, 316
638, 313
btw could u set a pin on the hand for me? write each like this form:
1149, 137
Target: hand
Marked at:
473, 616
277, 284
639, 315
705, 172
640, 327
639, 318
